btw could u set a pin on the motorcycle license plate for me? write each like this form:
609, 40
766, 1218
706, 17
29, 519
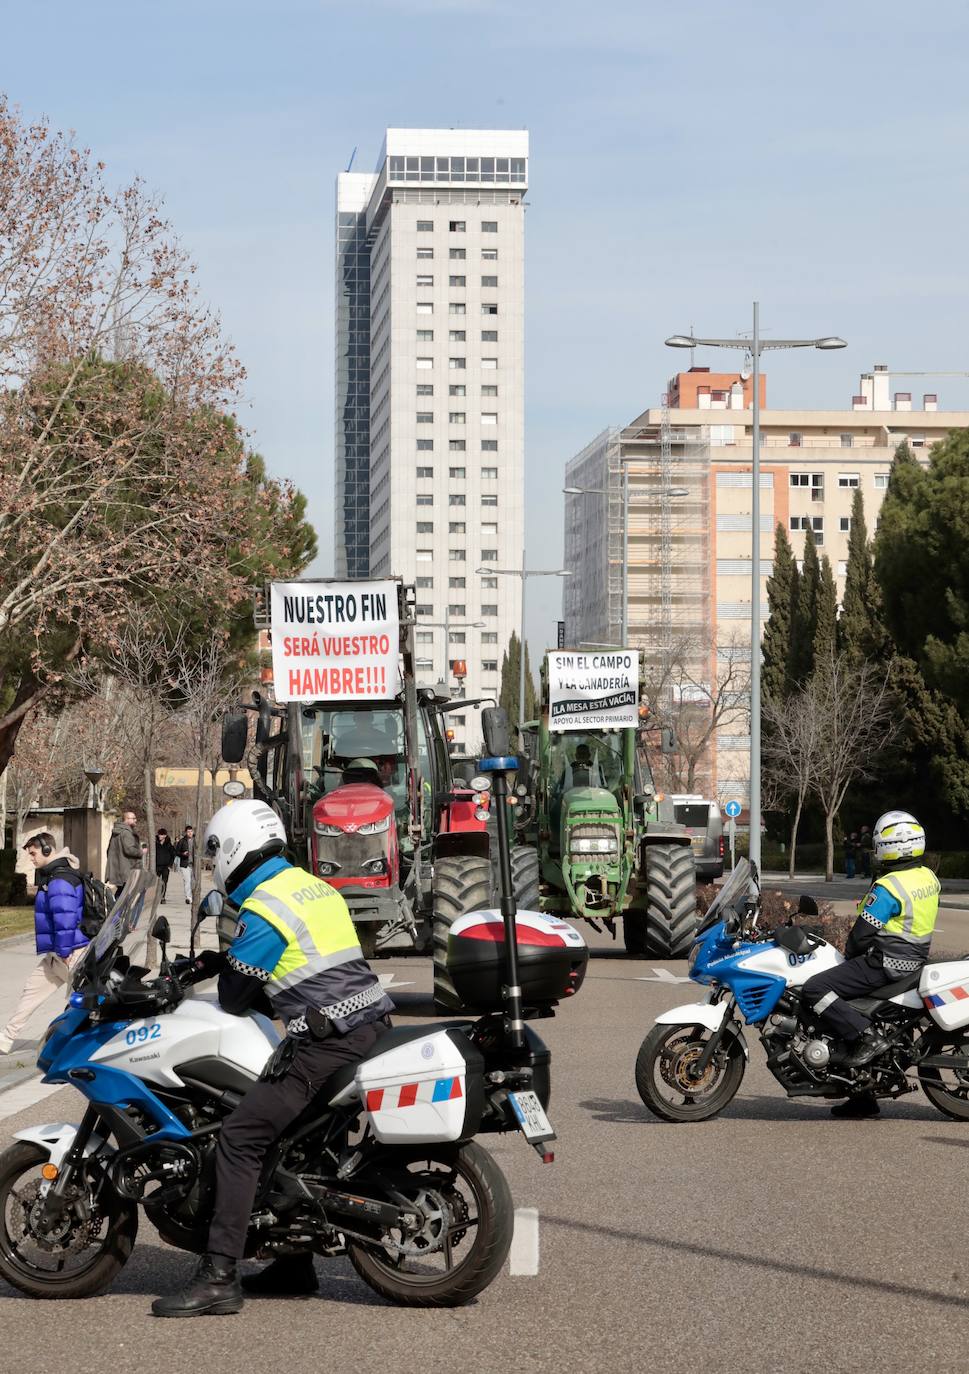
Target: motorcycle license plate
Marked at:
534, 1123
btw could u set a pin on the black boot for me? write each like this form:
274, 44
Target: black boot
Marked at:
864, 1050
857, 1106
215, 1291
290, 1276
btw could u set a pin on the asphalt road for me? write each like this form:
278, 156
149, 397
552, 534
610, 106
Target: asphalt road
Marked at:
773, 1239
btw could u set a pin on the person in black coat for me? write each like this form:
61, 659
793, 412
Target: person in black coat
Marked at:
164, 858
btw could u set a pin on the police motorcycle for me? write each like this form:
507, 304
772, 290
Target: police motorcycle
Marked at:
692, 1062
383, 1167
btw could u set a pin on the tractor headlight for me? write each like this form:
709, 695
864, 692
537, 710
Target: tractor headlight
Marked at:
375, 827
322, 828
374, 867
596, 845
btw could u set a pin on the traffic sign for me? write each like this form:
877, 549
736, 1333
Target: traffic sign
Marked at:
732, 808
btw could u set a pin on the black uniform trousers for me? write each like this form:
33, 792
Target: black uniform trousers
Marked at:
260, 1119
827, 994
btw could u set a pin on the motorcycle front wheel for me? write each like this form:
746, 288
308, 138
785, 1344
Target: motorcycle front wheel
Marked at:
948, 1089
468, 1222
79, 1253
666, 1077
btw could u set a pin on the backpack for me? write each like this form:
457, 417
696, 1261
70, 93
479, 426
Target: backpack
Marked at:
96, 905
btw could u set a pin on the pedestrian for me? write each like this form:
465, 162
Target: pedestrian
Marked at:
164, 858
60, 941
851, 850
185, 854
864, 849
125, 852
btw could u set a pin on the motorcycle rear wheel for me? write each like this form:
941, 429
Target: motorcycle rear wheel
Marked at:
662, 1073
477, 1211
66, 1267
950, 1094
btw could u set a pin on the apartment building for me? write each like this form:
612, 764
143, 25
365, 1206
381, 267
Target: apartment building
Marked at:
689, 518
430, 400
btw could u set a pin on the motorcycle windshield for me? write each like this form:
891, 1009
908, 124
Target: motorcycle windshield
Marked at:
125, 929
736, 886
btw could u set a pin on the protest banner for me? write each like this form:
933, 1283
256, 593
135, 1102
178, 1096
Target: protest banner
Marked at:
335, 641
593, 691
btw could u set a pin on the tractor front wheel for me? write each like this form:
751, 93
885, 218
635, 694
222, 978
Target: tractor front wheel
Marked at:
461, 883
666, 920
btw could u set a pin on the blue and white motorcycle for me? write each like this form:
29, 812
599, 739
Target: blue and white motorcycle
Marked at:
692, 1062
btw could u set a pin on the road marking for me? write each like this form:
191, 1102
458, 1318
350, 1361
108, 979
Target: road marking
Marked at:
662, 975
523, 1258
18, 1099
387, 978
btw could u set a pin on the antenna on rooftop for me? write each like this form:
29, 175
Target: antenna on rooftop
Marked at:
352, 156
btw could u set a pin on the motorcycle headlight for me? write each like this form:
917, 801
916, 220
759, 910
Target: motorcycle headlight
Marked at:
375, 827
691, 960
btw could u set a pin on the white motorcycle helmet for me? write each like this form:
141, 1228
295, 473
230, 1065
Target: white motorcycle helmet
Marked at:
240, 837
897, 835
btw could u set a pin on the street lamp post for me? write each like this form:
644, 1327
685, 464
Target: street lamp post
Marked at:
604, 491
524, 573
447, 625
754, 346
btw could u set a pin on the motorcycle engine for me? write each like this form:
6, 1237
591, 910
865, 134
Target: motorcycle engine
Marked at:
816, 1054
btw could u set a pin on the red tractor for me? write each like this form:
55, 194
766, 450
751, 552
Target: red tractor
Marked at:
370, 803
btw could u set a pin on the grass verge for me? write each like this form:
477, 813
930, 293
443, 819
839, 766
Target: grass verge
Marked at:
16, 920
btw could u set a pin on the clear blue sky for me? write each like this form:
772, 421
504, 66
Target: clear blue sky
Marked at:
684, 160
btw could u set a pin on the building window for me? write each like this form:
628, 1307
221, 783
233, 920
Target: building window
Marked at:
881, 480
489, 665
425, 665
457, 417
489, 636
424, 636
489, 417
457, 364
490, 609
425, 584
425, 527
424, 608
489, 584
844, 524
457, 308
458, 583
457, 254
489, 281
795, 439
457, 226
425, 498
458, 473
489, 336
490, 254
457, 390
425, 555
489, 527
425, 307
489, 364
425, 226
489, 390
425, 364
425, 445
425, 253
814, 523
425, 388
457, 527
917, 440
425, 472
490, 500
458, 608
457, 636
457, 720
425, 336
489, 226
425, 417
458, 335
487, 473
457, 281
847, 441
456, 445
489, 555
489, 445
425, 279
489, 310
849, 479
456, 499
457, 555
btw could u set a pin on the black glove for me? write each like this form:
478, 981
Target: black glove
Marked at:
208, 963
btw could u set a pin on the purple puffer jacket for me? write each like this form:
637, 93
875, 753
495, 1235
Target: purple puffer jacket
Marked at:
58, 908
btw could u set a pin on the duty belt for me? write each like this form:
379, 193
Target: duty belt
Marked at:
338, 1010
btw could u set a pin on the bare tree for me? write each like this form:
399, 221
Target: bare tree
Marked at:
856, 722
696, 702
791, 758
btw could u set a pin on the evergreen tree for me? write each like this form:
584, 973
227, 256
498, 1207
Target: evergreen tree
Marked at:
861, 630
804, 620
781, 601
825, 641
510, 682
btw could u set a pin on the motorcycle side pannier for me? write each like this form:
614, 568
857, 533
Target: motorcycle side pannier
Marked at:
426, 1090
944, 988
552, 958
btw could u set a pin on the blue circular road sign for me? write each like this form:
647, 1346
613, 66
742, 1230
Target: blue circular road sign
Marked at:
732, 809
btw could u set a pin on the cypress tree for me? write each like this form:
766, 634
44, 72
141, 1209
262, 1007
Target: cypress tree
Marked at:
861, 631
781, 601
805, 619
508, 692
825, 640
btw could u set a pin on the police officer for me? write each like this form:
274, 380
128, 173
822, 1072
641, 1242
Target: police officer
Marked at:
890, 938
296, 943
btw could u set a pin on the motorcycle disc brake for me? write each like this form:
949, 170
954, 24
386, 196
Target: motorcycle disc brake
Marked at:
67, 1235
431, 1235
675, 1069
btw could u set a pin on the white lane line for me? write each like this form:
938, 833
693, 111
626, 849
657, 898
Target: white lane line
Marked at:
523, 1258
662, 975
387, 980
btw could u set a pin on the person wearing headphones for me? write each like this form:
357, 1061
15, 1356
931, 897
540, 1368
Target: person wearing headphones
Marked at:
58, 911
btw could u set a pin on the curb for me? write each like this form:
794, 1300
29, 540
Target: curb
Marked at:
18, 1078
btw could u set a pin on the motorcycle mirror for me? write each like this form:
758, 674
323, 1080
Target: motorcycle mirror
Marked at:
235, 736
213, 904
161, 930
494, 727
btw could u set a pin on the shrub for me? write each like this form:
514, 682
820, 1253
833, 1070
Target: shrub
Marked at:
777, 910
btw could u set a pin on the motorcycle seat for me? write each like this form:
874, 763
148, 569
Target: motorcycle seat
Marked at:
388, 1040
886, 993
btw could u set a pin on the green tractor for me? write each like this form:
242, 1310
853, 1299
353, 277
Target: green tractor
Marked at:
608, 844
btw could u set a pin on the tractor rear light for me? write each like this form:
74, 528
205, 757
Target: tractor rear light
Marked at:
721, 846
481, 813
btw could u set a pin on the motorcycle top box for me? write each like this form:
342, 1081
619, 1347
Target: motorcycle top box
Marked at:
944, 988
552, 958
430, 1088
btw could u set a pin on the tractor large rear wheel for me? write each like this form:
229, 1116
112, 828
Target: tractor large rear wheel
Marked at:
667, 920
525, 878
461, 883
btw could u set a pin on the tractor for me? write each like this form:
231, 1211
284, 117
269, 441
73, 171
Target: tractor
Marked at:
608, 844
